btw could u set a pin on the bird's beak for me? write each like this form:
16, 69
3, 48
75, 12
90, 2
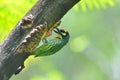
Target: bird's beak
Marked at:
57, 31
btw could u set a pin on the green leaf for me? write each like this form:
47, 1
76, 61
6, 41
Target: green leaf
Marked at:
94, 4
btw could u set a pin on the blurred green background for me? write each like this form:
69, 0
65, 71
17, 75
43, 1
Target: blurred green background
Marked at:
93, 52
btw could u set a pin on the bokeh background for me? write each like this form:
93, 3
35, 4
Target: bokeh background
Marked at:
93, 51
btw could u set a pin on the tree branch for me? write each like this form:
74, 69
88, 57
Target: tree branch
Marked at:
44, 10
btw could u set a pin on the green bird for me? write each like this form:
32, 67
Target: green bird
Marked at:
52, 46
49, 47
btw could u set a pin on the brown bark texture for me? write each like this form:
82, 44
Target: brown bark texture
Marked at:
50, 11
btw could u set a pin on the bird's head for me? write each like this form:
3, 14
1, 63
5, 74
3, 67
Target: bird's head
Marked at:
61, 33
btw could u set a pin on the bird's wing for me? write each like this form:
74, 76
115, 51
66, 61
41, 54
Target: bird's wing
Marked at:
44, 49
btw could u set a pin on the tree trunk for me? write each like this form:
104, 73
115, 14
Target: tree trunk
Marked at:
50, 11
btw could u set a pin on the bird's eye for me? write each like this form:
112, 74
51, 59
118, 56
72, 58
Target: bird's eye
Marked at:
64, 33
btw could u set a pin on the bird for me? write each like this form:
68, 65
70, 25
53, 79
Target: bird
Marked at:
49, 47
54, 45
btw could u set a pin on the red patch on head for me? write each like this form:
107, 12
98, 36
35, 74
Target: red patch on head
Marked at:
62, 30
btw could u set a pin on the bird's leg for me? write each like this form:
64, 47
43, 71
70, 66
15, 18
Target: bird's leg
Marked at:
44, 40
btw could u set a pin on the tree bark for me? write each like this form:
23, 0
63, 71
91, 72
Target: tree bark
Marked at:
44, 10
